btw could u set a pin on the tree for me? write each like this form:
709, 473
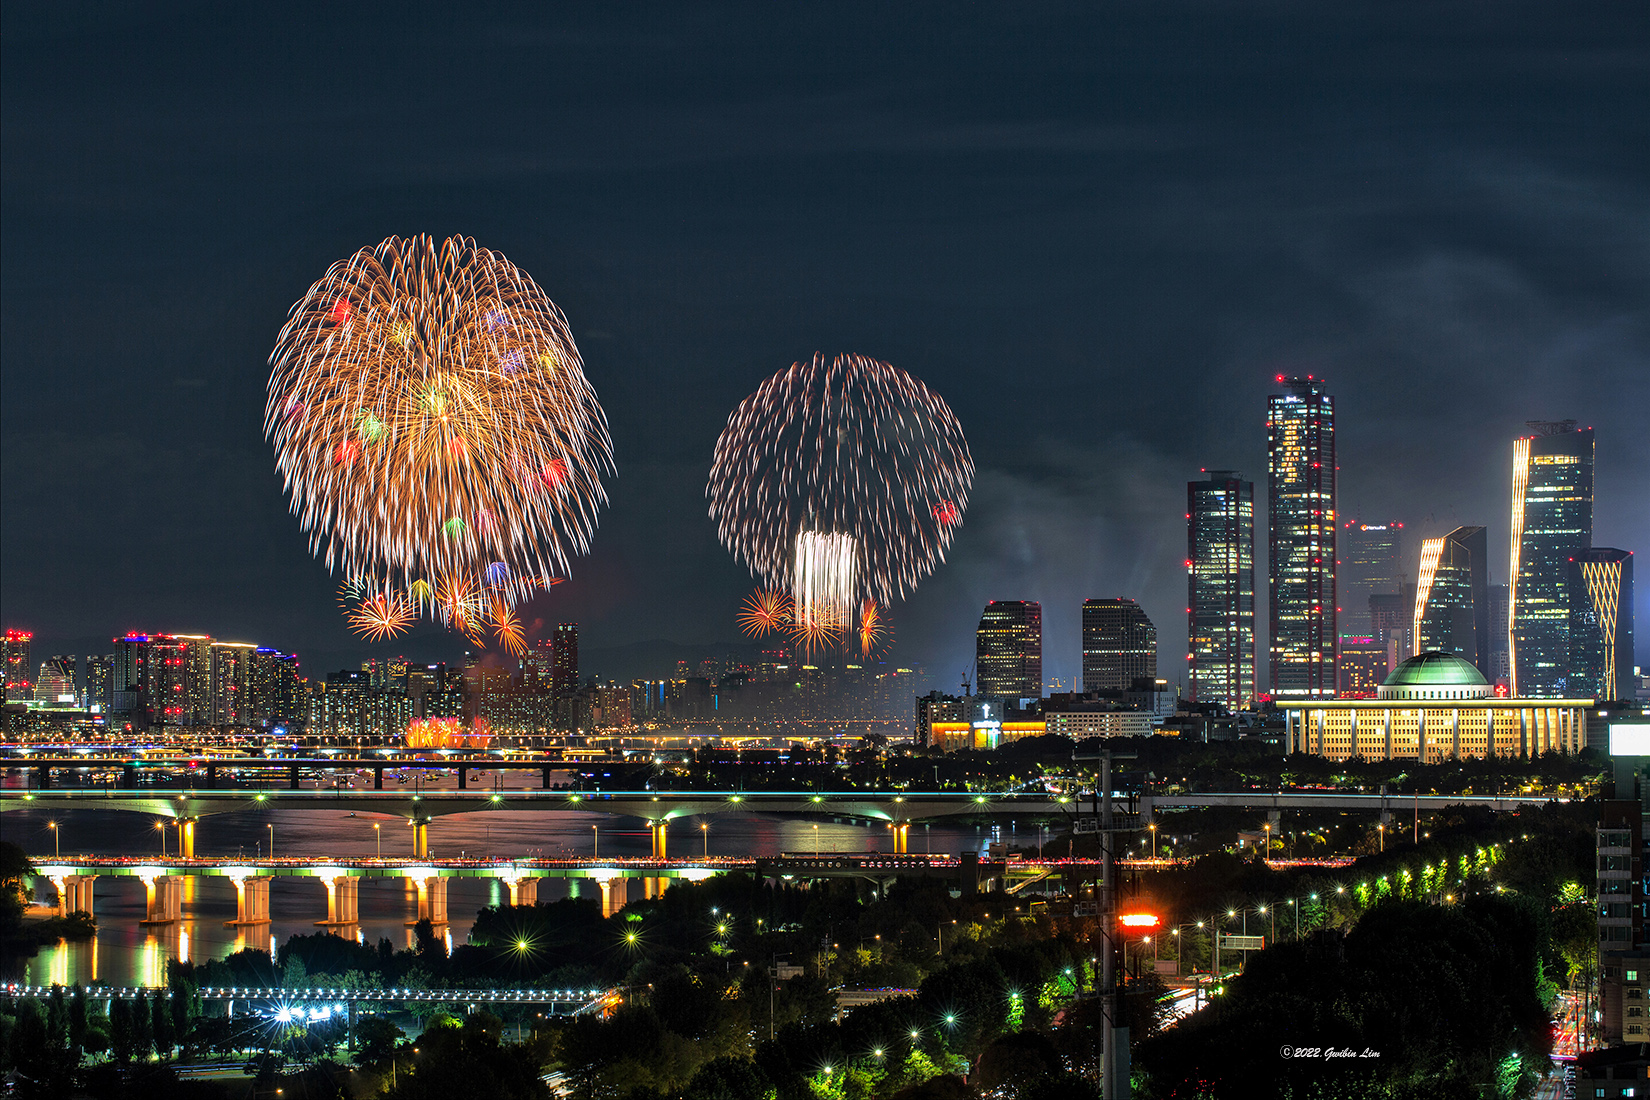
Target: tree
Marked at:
79, 1018
430, 948
143, 1029
122, 1031
968, 1002
469, 1060
14, 871
728, 1079
1014, 1062
376, 1038
57, 1016
160, 1021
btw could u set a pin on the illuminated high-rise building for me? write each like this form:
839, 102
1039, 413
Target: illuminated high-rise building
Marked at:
1601, 624
1452, 598
232, 678
564, 676
276, 690
1300, 428
55, 682
196, 707
1552, 521
1371, 564
1119, 644
1008, 649
95, 686
1220, 589
1363, 666
17, 655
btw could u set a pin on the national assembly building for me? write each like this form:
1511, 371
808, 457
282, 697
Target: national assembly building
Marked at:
1434, 707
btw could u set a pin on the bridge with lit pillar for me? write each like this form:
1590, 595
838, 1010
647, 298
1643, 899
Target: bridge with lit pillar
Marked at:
341, 880
896, 808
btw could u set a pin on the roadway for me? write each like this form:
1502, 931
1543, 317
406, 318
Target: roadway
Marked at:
426, 802
574, 1001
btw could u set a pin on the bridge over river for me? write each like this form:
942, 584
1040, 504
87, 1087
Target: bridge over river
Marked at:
75, 878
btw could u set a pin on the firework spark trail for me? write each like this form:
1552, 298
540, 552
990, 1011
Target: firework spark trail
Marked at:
764, 613
840, 481
431, 419
871, 628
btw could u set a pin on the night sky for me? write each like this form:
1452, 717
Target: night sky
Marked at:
1099, 235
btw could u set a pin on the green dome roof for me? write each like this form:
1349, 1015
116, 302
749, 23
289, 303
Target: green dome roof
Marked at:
1435, 668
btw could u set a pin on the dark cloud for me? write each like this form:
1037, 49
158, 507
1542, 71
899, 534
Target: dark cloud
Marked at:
1098, 233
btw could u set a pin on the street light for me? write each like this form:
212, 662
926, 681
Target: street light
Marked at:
378, 835
160, 827
816, 841
596, 843
704, 829
1153, 828
57, 847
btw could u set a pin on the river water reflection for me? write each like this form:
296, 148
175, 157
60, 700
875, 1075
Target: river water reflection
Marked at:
126, 952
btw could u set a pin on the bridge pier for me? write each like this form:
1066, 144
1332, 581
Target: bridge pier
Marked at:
186, 837
344, 902
432, 900
615, 893
902, 831
251, 900
463, 777
378, 779
421, 838
74, 893
524, 891
544, 782
659, 847
165, 899
292, 777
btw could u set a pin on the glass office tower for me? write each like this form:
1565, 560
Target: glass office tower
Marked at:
1300, 427
1220, 589
1552, 521
1009, 649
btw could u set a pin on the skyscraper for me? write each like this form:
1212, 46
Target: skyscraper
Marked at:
232, 678
1119, 645
1452, 597
17, 655
1601, 625
95, 686
56, 681
1371, 562
1220, 589
1008, 648
1552, 521
564, 676
1300, 426
1500, 661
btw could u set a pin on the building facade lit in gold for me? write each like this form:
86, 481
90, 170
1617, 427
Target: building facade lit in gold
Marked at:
1436, 707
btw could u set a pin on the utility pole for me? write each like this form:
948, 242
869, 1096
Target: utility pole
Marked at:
1114, 1081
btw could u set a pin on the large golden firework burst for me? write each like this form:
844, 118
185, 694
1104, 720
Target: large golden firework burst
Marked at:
431, 419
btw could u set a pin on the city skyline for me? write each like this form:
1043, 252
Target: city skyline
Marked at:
140, 493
